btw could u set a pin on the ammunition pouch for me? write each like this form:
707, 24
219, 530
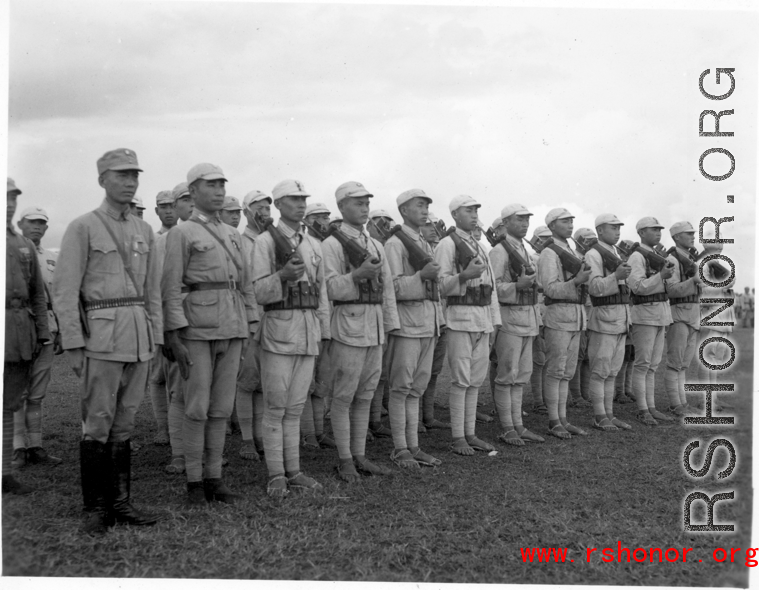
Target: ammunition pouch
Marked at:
479, 296
303, 295
687, 299
369, 293
528, 297
641, 299
17, 303
582, 292
621, 298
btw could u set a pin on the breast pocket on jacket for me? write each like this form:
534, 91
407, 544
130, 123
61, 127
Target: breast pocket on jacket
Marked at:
104, 257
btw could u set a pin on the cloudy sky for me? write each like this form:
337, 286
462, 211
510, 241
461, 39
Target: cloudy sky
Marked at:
593, 110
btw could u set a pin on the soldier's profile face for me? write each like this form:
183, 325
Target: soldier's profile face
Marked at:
10, 208
517, 225
355, 210
120, 185
609, 234
208, 194
563, 228
466, 218
292, 208
685, 239
650, 236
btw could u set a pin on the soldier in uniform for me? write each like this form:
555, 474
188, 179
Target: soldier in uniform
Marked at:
429, 422
564, 320
364, 310
410, 351
520, 320
159, 364
206, 331
183, 208
312, 419
231, 212
682, 335
579, 385
472, 313
26, 330
107, 295
27, 423
249, 398
535, 385
650, 317
291, 287
609, 321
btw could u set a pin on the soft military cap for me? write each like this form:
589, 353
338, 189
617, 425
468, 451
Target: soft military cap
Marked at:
204, 171
462, 201
680, 227
584, 232
253, 197
379, 213
542, 232
164, 198
497, 222
120, 159
137, 202
648, 222
315, 208
180, 191
12, 188
514, 209
406, 196
480, 224
31, 213
231, 204
556, 214
289, 188
431, 217
608, 218
351, 189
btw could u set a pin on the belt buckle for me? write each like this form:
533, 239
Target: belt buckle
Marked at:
15, 302
232, 284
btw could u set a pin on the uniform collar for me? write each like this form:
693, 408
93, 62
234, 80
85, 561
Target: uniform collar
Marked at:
163, 230
412, 233
251, 233
465, 234
513, 240
647, 248
606, 246
111, 211
561, 243
287, 231
352, 232
214, 219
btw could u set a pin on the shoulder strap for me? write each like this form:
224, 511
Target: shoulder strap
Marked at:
120, 248
223, 245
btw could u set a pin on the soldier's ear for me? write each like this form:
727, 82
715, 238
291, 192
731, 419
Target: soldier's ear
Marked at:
101, 178
277, 205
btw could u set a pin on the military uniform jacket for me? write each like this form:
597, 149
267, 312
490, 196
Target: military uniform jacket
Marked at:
249, 236
194, 256
419, 317
466, 318
358, 324
606, 319
679, 286
290, 331
25, 307
90, 266
519, 320
656, 313
569, 317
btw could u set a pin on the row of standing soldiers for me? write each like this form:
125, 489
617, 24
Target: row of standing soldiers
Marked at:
286, 315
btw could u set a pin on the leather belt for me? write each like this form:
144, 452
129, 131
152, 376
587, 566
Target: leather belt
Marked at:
212, 286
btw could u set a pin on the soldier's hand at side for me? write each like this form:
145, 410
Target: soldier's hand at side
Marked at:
430, 271
582, 276
667, 271
623, 271
367, 270
75, 358
57, 344
180, 352
473, 270
293, 270
525, 282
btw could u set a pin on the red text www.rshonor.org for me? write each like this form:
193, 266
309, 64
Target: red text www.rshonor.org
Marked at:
621, 554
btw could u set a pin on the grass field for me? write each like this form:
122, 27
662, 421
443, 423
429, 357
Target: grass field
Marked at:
462, 522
